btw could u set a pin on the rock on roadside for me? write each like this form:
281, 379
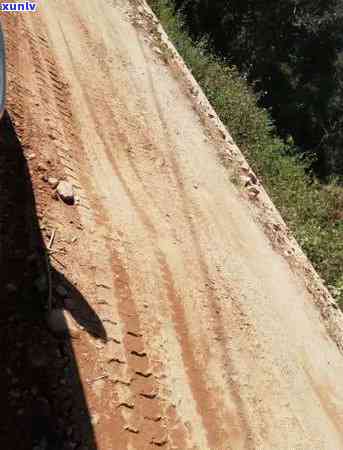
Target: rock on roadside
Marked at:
53, 182
66, 192
62, 324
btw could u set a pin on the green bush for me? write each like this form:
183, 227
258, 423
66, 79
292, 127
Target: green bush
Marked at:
312, 210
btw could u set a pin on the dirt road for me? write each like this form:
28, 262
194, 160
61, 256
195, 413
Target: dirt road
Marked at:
208, 339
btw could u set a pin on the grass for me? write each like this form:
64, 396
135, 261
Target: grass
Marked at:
313, 211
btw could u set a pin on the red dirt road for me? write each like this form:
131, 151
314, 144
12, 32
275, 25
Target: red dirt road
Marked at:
192, 331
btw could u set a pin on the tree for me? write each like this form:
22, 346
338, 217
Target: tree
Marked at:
292, 52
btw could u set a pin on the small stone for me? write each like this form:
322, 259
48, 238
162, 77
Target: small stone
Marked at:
53, 182
132, 430
253, 178
62, 324
158, 50
41, 167
253, 191
95, 419
45, 178
160, 441
250, 179
30, 156
245, 168
66, 192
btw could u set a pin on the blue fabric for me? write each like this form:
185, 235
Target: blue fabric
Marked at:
2, 73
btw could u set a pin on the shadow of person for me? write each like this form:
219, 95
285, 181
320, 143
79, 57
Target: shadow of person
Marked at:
42, 402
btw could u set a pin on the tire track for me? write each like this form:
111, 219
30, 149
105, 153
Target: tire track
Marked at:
57, 103
109, 123
134, 385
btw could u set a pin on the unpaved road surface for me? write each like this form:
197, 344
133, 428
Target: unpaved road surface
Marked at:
191, 331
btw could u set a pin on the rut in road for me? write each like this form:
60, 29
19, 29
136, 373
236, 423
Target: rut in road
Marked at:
181, 335
132, 395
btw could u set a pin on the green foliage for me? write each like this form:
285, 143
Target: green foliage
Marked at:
313, 211
292, 51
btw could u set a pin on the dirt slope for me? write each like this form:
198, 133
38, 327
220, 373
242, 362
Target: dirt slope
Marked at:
209, 339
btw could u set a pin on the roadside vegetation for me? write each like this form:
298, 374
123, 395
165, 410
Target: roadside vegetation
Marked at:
312, 209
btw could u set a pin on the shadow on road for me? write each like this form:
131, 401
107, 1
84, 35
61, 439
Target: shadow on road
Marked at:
42, 402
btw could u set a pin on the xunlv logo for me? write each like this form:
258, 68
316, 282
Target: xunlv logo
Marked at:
17, 7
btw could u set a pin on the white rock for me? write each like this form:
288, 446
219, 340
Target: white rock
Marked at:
62, 324
158, 50
95, 419
53, 182
245, 168
253, 191
66, 192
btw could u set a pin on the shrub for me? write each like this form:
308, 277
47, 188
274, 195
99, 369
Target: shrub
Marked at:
312, 210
